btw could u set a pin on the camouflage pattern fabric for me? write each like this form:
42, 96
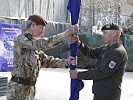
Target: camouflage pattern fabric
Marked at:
28, 60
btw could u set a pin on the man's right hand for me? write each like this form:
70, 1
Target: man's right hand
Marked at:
71, 31
73, 74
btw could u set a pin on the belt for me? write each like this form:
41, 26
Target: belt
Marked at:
23, 81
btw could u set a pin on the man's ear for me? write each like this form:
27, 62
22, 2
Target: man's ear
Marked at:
33, 24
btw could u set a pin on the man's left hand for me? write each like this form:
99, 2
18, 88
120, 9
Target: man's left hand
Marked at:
71, 60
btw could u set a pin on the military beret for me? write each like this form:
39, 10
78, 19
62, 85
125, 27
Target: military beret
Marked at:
38, 19
111, 26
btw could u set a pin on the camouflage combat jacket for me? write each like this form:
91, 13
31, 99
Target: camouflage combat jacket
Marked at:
29, 57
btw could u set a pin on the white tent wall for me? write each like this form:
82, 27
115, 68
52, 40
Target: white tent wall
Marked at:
53, 10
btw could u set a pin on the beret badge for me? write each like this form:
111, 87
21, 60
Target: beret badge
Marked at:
108, 26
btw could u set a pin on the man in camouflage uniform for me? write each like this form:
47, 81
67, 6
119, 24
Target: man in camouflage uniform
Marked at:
108, 72
29, 58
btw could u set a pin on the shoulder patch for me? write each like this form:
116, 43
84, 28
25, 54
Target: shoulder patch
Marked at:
112, 64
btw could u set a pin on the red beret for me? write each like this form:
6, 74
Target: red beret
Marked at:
38, 19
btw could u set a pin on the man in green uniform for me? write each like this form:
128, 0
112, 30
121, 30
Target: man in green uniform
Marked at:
29, 58
107, 73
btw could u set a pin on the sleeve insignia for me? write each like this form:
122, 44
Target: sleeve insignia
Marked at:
112, 64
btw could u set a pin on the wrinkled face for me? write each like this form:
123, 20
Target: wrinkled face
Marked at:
37, 30
108, 36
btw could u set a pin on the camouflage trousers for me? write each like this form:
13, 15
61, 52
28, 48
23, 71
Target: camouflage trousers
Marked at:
20, 92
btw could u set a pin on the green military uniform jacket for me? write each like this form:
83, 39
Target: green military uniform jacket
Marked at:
108, 72
29, 58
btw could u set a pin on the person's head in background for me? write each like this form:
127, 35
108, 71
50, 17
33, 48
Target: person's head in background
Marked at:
36, 25
111, 33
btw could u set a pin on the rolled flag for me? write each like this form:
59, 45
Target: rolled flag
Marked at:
76, 84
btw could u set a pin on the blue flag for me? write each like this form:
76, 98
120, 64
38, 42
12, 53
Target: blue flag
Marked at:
74, 8
76, 84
